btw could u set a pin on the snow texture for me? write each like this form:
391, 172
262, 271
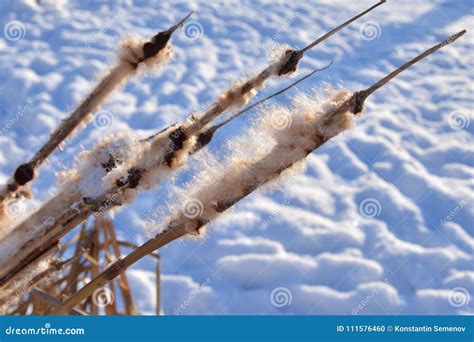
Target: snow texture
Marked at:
381, 220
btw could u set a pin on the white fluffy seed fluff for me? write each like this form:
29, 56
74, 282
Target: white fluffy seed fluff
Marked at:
90, 180
239, 94
281, 138
98, 169
130, 61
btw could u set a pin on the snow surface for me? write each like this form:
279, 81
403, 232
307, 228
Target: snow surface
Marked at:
381, 221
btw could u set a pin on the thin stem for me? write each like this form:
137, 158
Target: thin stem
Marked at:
294, 56
281, 91
360, 96
173, 232
26, 172
180, 23
53, 301
415, 60
120, 266
334, 30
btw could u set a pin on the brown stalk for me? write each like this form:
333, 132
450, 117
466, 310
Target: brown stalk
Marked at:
26, 172
124, 287
178, 228
334, 30
33, 249
296, 55
73, 217
49, 301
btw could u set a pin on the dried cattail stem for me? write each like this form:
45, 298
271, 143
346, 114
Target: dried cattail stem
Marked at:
55, 266
133, 55
294, 56
287, 64
363, 94
53, 301
61, 216
120, 266
239, 95
334, 30
205, 136
292, 145
124, 286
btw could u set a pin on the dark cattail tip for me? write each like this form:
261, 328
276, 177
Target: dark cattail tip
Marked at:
159, 41
13, 186
205, 138
134, 177
88, 200
358, 100
156, 44
291, 64
24, 174
456, 36
132, 180
177, 137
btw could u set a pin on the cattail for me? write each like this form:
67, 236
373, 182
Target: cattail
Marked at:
286, 64
275, 149
159, 154
134, 56
215, 191
105, 177
239, 94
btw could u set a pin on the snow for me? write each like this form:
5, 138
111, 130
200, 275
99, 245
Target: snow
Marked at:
379, 222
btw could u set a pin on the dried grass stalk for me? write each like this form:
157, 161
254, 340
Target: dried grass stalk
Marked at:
146, 166
134, 56
160, 154
216, 191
